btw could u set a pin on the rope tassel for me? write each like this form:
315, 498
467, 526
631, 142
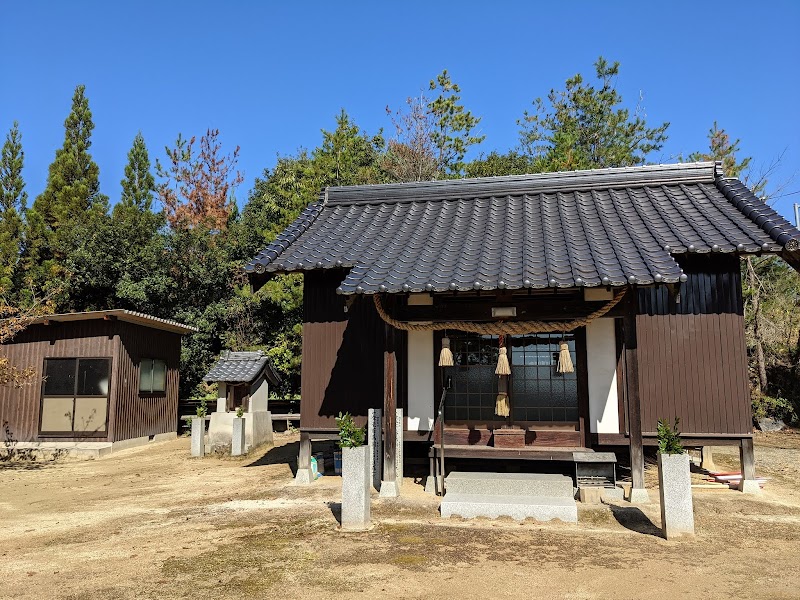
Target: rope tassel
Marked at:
501, 406
564, 359
446, 355
503, 368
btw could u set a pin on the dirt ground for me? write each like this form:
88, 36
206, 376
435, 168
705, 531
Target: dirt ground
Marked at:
154, 523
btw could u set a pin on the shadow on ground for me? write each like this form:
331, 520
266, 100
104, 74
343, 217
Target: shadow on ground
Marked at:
634, 519
279, 455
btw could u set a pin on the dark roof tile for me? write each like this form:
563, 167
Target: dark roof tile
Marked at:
591, 228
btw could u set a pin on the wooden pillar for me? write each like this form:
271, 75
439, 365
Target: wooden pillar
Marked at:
748, 464
634, 403
389, 487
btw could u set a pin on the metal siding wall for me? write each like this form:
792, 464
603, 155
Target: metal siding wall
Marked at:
693, 354
139, 416
342, 368
20, 407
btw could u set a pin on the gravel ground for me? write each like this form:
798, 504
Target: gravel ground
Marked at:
154, 523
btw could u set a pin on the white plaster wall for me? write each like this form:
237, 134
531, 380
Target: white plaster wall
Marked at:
259, 393
420, 380
221, 396
601, 353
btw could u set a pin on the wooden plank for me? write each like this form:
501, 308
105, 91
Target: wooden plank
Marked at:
582, 384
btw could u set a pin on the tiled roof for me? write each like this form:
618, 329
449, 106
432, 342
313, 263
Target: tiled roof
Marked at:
241, 367
607, 227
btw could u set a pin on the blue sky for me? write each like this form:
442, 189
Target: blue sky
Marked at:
271, 75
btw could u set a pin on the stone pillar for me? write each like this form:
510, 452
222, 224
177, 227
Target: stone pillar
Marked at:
375, 439
748, 484
237, 437
304, 474
398, 427
675, 490
355, 488
707, 459
198, 436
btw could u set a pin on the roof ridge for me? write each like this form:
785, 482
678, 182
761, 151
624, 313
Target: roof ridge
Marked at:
528, 183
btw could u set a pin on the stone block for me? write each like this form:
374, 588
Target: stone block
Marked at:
707, 459
356, 488
614, 494
675, 491
198, 436
590, 495
398, 463
638, 496
519, 508
237, 436
749, 486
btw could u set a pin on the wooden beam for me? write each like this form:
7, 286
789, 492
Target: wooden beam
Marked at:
632, 381
747, 458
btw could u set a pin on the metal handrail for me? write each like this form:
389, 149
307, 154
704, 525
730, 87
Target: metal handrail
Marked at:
441, 437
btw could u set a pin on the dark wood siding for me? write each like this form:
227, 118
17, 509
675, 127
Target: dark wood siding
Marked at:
692, 351
342, 368
21, 407
129, 415
135, 414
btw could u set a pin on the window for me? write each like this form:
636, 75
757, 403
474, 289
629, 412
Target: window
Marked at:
152, 375
75, 396
474, 387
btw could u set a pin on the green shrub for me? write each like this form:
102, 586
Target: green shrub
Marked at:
777, 408
202, 410
350, 436
669, 438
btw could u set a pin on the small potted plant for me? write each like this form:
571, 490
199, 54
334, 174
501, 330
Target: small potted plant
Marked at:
674, 482
355, 474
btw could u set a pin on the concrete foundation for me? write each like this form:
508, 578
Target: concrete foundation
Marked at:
749, 486
707, 459
257, 428
675, 491
638, 496
356, 488
83, 450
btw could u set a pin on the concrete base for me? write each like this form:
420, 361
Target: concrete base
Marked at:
615, 494
389, 489
516, 507
638, 496
675, 492
707, 459
304, 477
81, 450
430, 485
590, 495
356, 475
749, 486
258, 430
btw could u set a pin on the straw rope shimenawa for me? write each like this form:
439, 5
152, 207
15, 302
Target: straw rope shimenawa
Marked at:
499, 327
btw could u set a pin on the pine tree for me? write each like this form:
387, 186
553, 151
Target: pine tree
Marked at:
139, 184
13, 200
61, 215
583, 127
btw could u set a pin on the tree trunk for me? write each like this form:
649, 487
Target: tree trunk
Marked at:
761, 363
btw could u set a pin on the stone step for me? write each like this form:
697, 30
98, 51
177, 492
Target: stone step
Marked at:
541, 508
551, 485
